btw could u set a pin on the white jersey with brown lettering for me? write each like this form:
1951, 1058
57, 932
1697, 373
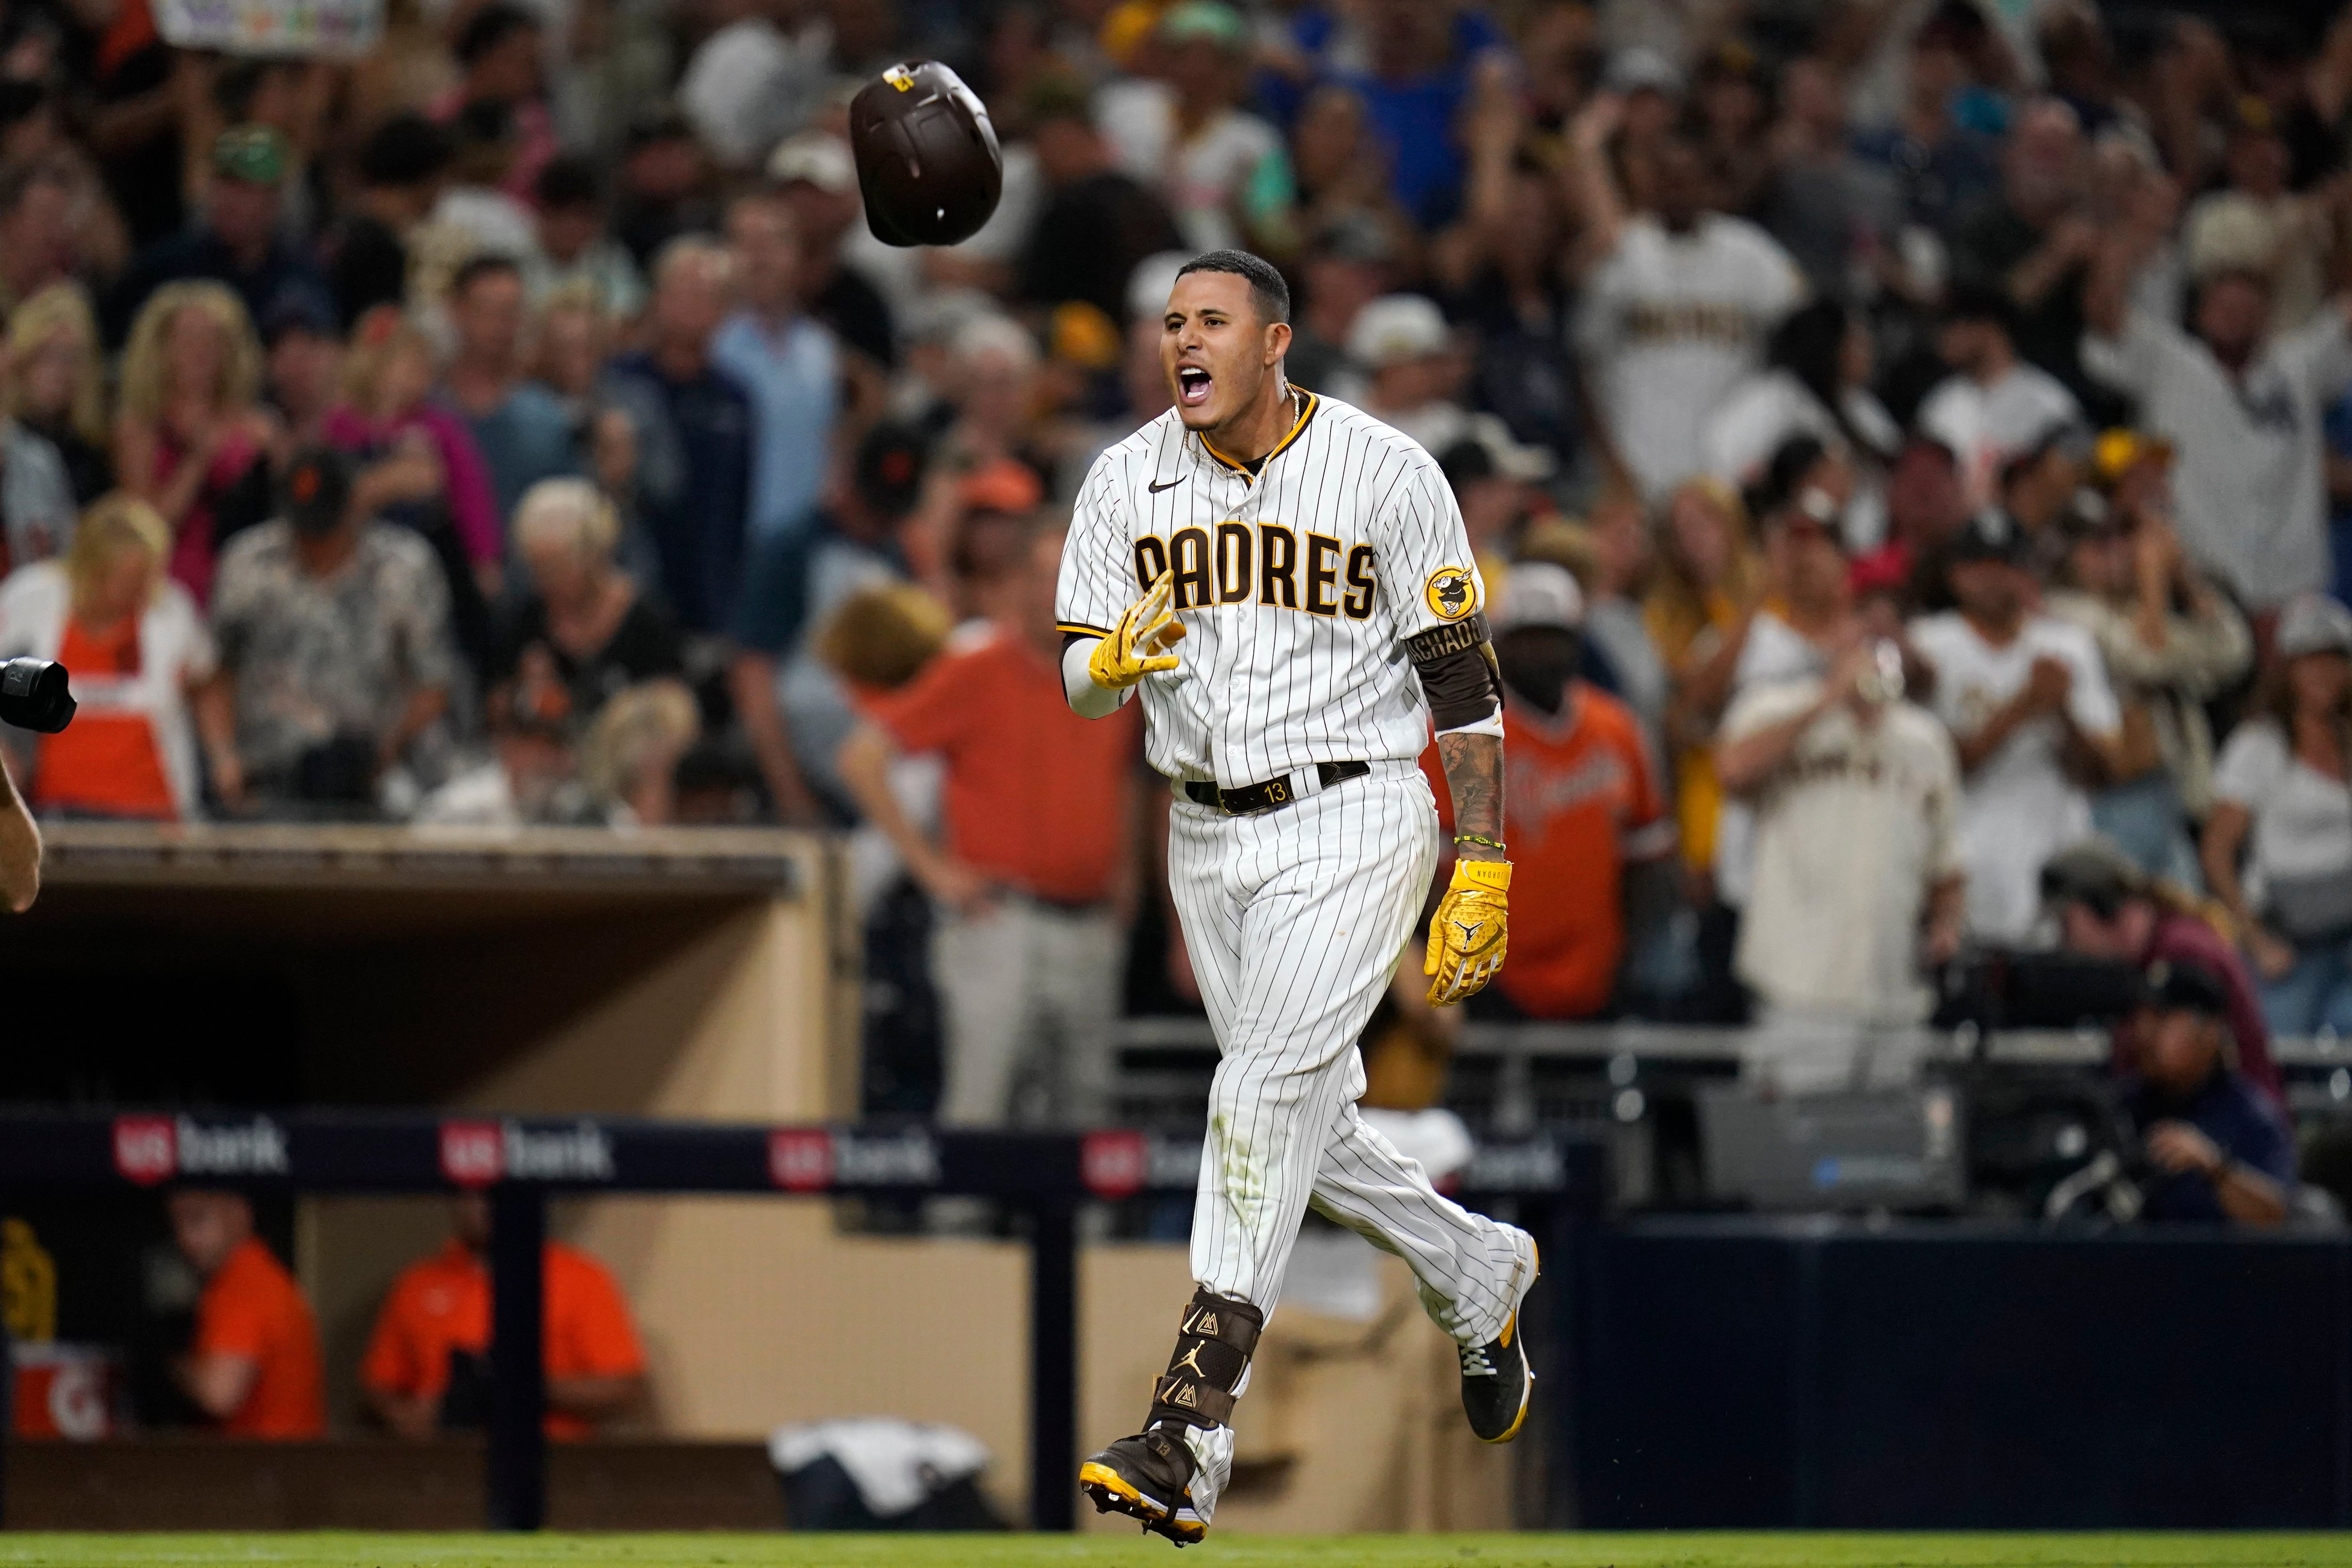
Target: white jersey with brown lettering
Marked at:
1296, 585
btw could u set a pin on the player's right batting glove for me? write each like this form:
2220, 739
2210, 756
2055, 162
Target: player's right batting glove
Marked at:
1139, 644
1470, 931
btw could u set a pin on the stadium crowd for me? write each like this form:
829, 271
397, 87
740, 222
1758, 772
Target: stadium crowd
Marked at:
1901, 439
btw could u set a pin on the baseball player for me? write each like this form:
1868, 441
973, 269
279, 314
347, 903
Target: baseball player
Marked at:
1287, 583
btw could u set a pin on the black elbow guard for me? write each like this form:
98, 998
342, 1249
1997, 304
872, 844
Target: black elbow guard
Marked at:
1458, 673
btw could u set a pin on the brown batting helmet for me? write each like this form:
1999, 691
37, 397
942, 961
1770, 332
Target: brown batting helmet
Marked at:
927, 156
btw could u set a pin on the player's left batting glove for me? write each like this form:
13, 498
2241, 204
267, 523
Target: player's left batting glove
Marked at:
1470, 931
1140, 644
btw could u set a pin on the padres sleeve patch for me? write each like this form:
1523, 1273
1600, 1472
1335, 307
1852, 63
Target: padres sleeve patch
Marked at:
1451, 592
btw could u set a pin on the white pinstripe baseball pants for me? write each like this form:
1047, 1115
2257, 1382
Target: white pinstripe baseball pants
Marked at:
1294, 920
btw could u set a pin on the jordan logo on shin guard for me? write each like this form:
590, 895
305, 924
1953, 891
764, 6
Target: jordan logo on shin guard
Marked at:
1214, 1341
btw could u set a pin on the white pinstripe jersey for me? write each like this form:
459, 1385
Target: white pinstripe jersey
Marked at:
1297, 588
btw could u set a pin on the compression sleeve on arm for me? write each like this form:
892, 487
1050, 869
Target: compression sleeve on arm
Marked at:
1087, 699
1459, 676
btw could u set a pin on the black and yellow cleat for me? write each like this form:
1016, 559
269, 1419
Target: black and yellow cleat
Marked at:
1497, 1381
1147, 1477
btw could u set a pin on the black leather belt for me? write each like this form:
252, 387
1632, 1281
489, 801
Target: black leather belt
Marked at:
1272, 795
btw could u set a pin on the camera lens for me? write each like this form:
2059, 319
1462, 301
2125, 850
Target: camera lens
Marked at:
34, 695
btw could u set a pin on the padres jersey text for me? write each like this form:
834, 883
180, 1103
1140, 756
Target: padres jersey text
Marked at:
1296, 586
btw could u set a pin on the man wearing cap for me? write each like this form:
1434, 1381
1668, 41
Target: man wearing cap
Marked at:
236, 242
1582, 796
2218, 1151
334, 631
1402, 340
817, 174
2108, 907
1097, 223
2242, 407
2019, 690
2171, 643
1855, 885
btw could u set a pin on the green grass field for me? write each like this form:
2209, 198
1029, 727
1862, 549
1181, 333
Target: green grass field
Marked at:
1679, 1550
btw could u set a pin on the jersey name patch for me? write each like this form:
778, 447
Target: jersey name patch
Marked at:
1451, 592
1263, 564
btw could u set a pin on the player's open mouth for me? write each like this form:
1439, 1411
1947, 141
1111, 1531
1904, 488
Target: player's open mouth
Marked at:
1191, 386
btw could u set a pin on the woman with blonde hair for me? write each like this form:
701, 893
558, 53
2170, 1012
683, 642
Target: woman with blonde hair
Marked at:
1704, 594
599, 633
143, 670
388, 417
191, 438
57, 391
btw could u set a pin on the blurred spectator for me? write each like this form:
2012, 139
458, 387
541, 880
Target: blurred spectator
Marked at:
2220, 1153
1223, 173
1834, 213
1622, 556
1098, 223
498, 48
252, 1365
1815, 382
2021, 690
1420, 61
789, 363
428, 1362
1941, 168
190, 437
2242, 410
56, 386
573, 246
38, 246
2034, 242
141, 661
36, 499
629, 762
1676, 306
1856, 884
794, 708
664, 185
387, 414
749, 84
401, 168
521, 431
2280, 795
2171, 643
1035, 880
2256, 224
817, 174
1346, 267
477, 208
2109, 907
1703, 599
334, 629
596, 628
1994, 406
698, 528
1584, 802
302, 368
238, 243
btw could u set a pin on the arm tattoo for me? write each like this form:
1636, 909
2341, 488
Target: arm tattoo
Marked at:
1474, 772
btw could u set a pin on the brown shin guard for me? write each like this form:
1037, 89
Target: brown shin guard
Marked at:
1213, 1341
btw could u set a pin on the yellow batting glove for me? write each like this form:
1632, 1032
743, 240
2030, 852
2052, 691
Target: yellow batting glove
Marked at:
1470, 931
1139, 644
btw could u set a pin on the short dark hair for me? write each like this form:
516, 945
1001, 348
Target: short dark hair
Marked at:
405, 150
1268, 292
480, 266
491, 26
569, 181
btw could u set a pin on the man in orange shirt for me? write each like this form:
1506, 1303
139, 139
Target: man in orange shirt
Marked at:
426, 1363
1035, 877
1582, 796
253, 1365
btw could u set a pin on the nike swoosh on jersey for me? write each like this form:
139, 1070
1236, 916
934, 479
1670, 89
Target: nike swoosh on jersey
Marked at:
1170, 485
